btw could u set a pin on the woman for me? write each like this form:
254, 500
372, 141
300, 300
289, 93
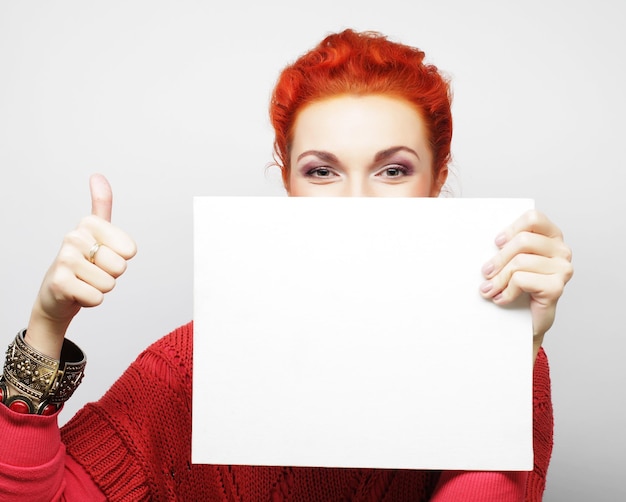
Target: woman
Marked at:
356, 116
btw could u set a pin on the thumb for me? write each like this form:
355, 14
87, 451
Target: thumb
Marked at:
101, 196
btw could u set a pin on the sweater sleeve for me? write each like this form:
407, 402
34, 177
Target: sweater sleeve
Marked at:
34, 465
471, 486
31, 457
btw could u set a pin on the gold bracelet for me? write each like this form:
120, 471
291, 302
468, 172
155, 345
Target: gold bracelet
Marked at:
35, 383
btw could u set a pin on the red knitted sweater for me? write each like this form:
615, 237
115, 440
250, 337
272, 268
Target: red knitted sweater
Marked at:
135, 444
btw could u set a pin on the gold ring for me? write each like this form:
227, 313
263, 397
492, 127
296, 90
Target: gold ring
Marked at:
92, 252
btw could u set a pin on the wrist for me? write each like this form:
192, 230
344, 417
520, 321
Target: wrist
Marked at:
46, 335
537, 342
33, 382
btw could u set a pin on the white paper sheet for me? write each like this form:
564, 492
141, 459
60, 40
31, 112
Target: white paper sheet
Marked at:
350, 332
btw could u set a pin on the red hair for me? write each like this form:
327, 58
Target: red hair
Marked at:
362, 63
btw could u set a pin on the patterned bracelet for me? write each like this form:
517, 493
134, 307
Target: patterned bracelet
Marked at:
35, 383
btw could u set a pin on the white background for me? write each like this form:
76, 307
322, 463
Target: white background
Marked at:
169, 100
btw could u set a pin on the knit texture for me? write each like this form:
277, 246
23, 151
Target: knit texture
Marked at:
135, 443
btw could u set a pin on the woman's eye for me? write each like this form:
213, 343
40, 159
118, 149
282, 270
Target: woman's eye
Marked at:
393, 171
320, 172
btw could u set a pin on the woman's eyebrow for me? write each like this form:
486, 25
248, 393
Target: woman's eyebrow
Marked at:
383, 154
388, 152
321, 154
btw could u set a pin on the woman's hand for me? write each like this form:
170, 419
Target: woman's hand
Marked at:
534, 259
77, 279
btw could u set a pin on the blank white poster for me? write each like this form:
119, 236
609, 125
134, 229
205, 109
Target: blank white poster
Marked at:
350, 332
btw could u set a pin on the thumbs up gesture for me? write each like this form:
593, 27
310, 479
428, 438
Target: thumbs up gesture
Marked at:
90, 259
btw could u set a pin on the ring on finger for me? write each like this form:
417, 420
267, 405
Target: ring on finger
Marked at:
92, 252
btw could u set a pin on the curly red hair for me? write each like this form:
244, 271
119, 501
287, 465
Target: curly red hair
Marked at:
362, 63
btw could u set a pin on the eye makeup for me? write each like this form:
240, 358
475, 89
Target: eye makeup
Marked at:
321, 172
401, 170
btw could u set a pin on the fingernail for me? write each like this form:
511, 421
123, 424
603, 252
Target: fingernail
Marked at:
487, 268
501, 239
486, 286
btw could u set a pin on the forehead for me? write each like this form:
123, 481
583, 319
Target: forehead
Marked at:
364, 123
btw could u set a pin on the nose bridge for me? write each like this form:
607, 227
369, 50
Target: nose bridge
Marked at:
357, 186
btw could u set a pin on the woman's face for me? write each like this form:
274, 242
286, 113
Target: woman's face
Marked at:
373, 146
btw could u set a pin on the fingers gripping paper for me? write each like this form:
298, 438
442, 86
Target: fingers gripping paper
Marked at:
349, 332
